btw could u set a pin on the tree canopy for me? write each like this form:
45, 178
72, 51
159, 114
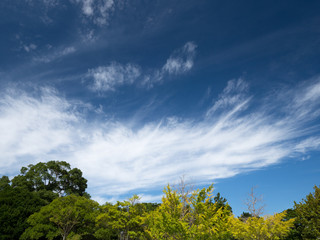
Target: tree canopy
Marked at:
48, 201
56, 176
307, 214
63, 216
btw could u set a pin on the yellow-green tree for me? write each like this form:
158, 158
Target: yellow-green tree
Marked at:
121, 221
262, 228
195, 216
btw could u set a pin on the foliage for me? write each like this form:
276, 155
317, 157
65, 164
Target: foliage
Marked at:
200, 218
55, 176
270, 227
4, 183
16, 205
63, 216
221, 202
29, 205
244, 216
296, 231
123, 220
307, 215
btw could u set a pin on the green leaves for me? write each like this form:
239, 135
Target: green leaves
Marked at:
63, 216
183, 214
56, 176
16, 205
308, 215
122, 219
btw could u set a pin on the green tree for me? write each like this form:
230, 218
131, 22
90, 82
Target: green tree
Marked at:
244, 216
123, 220
55, 176
307, 215
16, 205
4, 182
296, 231
64, 216
221, 202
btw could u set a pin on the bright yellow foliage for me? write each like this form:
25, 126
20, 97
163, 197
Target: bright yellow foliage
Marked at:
196, 218
262, 228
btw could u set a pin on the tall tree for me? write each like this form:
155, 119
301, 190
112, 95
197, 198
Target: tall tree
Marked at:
56, 176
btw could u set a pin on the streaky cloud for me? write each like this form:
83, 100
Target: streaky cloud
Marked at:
55, 54
118, 159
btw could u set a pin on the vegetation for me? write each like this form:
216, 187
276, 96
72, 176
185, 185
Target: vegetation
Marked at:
48, 201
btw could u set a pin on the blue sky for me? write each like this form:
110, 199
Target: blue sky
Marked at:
139, 93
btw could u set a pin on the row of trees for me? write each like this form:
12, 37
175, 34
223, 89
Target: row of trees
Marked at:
42, 203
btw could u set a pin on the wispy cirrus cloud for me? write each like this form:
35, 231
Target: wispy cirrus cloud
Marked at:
55, 54
107, 78
118, 158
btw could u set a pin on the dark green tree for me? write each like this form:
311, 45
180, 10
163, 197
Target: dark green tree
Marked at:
16, 205
307, 214
4, 182
55, 176
296, 230
244, 216
221, 202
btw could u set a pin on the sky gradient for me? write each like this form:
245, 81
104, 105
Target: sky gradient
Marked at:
139, 93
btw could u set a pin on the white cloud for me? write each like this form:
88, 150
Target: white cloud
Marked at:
97, 10
117, 158
108, 77
235, 92
33, 127
181, 60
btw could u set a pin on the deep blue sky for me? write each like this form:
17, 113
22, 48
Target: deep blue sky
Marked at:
138, 93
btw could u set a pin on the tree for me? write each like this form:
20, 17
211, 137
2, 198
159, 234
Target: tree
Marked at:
4, 182
221, 202
254, 203
63, 216
191, 217
262, 228
296, 231
16, 205
123, 220
56, 176
307, 215
244, 216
